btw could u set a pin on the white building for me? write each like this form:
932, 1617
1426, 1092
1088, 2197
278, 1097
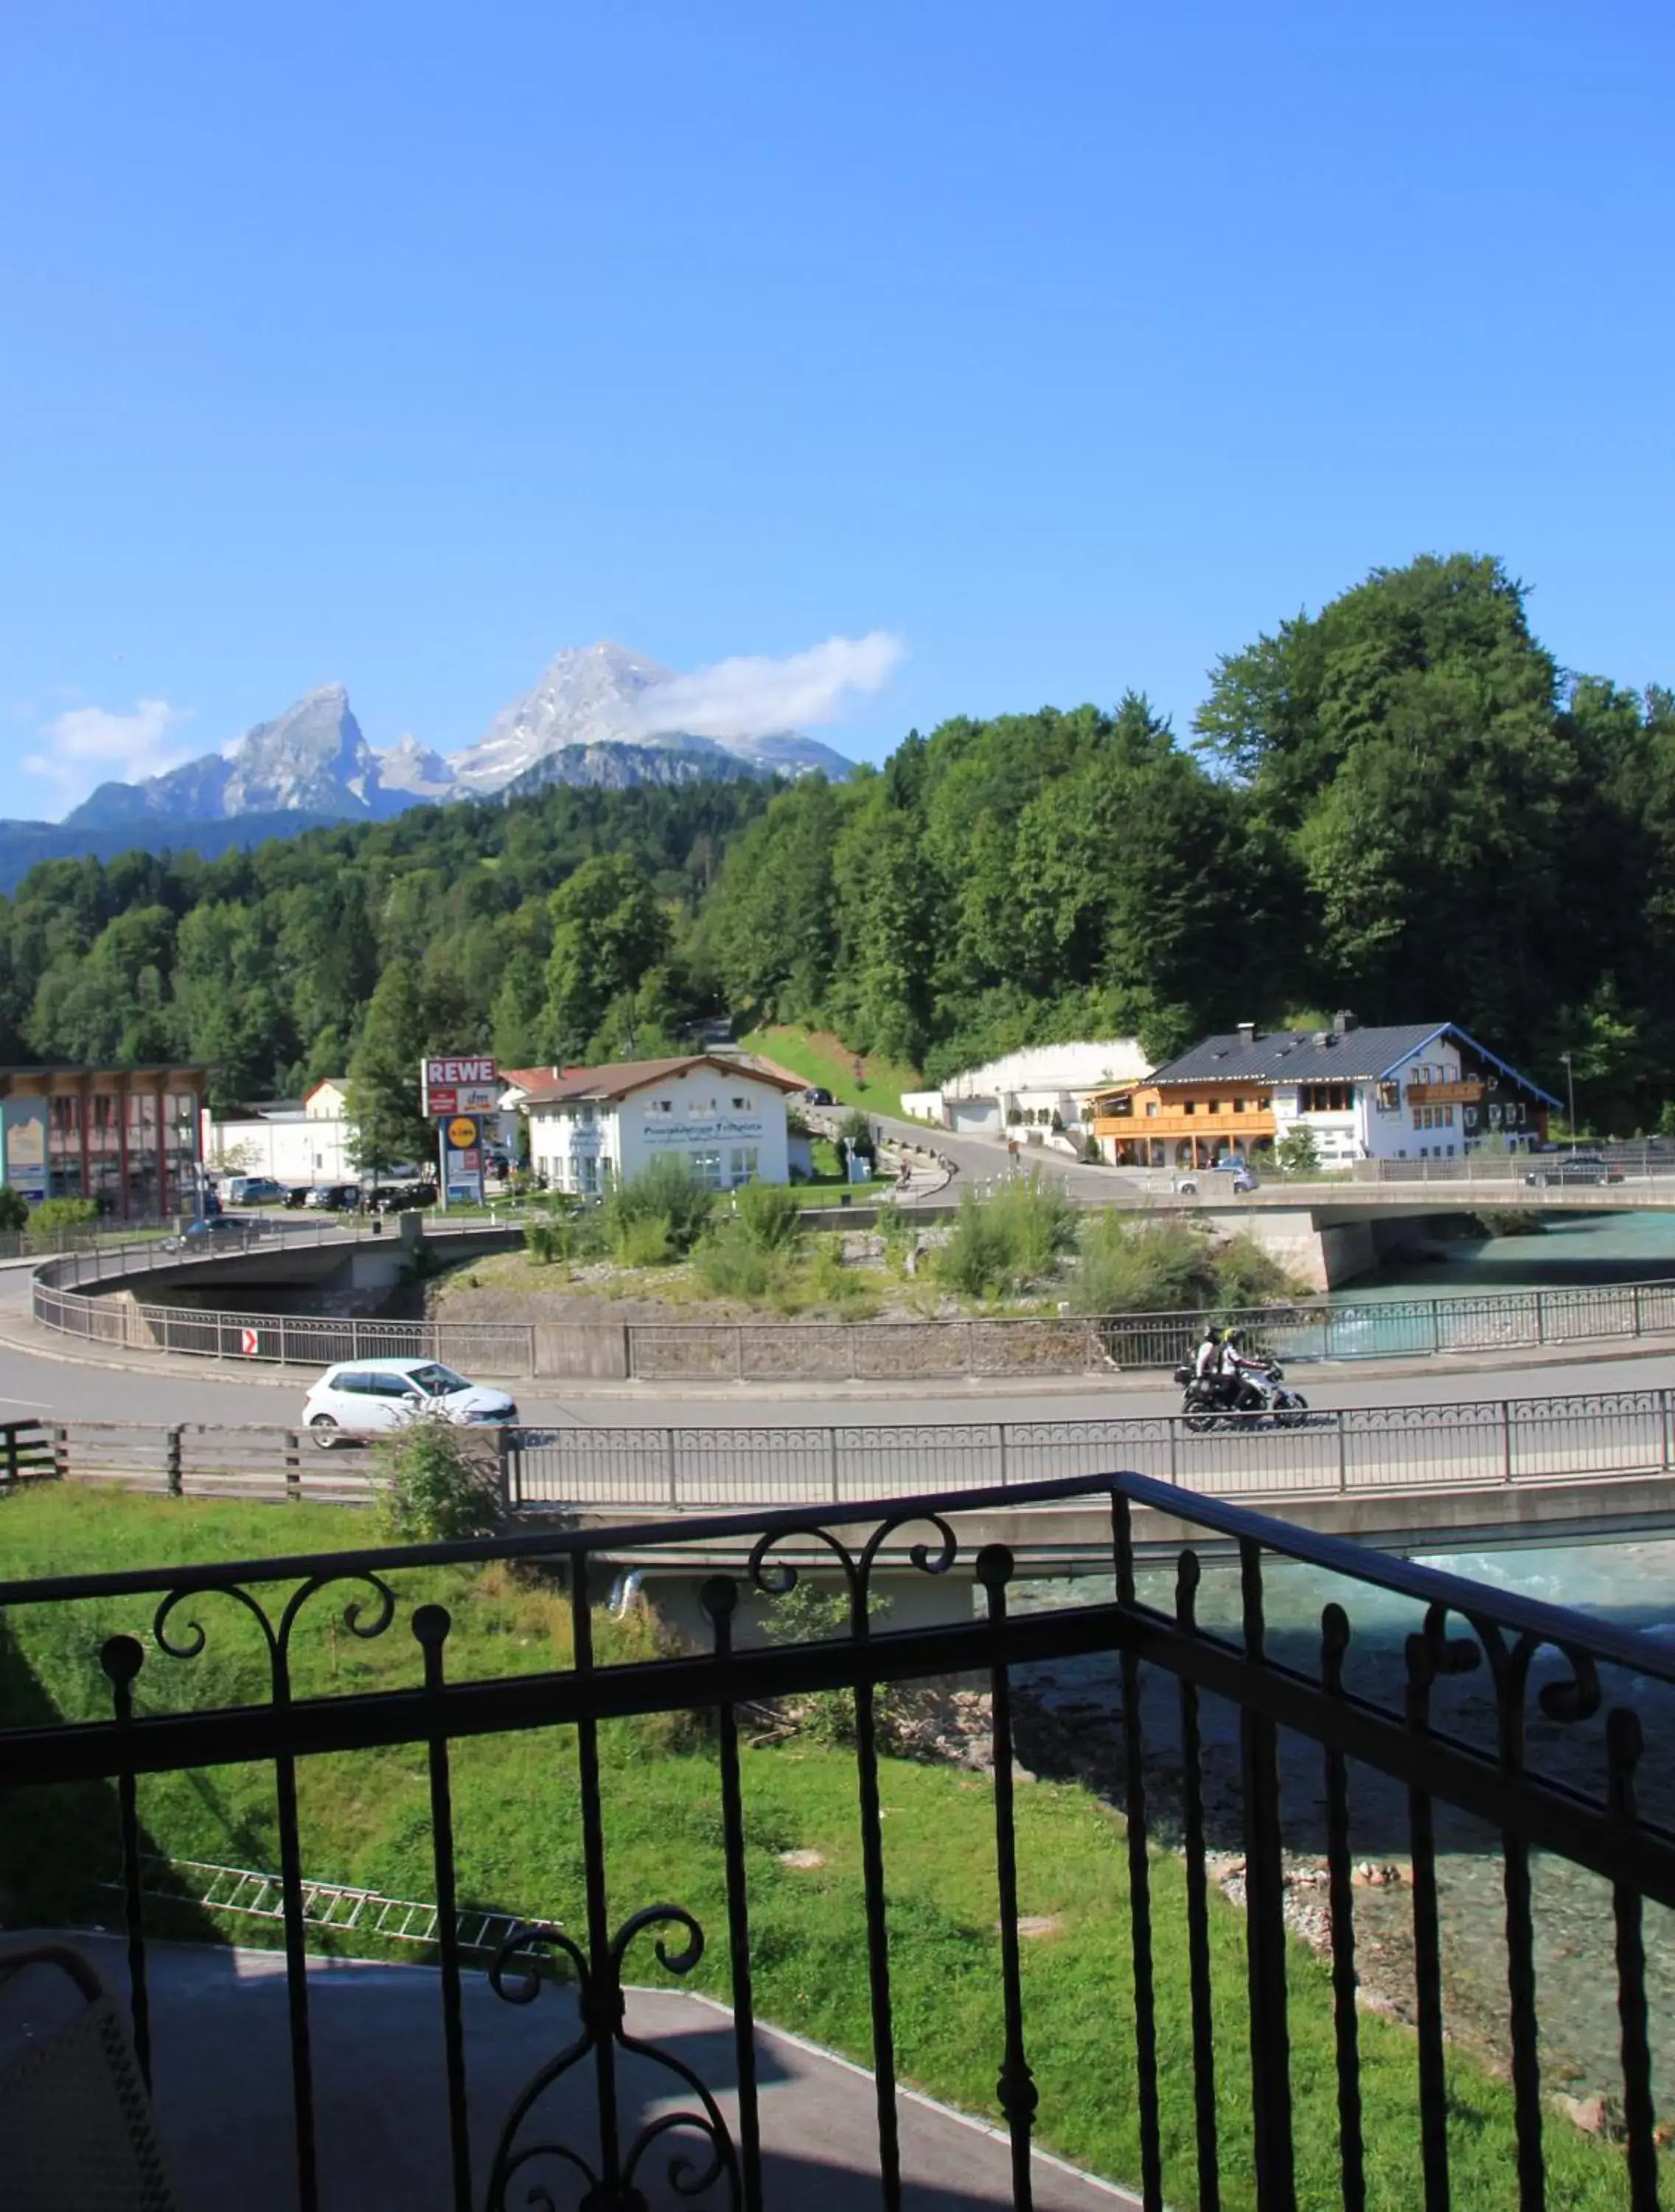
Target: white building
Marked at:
294, 1140
1421, 1091
1037, 1096
592, 1127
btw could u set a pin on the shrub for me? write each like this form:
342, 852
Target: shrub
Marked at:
831, 1284
439, 1483
1248, 1275
56, 1213
14, 1210
857, 1133
1296, 1153
730, 1266
1006, 1242
809, 1613
666, 1194
642, 1240
769, 1215
1156, 1267
548, 1240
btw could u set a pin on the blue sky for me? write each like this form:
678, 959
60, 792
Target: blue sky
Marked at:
1072, 345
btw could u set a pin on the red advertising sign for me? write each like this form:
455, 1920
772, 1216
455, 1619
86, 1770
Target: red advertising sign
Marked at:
459, 1082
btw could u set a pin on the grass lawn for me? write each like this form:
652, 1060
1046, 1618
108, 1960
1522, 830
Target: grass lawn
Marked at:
826, 1061
365, 1820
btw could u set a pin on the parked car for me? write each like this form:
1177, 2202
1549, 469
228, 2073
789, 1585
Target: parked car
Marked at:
1239, 1178
213, 1228
815, 1096
333, 1197
363, 1396
254, 1190
1575, 1167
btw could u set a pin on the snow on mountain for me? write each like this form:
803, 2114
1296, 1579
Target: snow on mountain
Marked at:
602, 694
414, 769
593, 718
311, 759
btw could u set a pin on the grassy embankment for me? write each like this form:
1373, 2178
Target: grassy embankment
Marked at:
365, 1820
825, 1061
1024, 1247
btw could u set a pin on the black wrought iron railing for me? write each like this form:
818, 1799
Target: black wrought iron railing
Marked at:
1269, 1688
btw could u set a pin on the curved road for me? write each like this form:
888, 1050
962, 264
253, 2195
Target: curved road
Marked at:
46, 1383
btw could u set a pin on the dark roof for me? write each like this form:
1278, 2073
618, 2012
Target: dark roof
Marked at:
627, 1075
1355, 1055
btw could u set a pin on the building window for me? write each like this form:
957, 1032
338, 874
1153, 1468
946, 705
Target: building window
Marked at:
659, 1105
700, 1105
705, 1168
743, 1163
1324, 1097
741, 1105
1187, 1106
1389, 1097
1238, 1105
63, 1148
1151, 1113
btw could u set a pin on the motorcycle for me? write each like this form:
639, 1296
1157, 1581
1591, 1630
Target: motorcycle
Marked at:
1261, 1392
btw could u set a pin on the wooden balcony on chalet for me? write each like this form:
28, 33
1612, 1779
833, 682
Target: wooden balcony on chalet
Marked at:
1467, 1092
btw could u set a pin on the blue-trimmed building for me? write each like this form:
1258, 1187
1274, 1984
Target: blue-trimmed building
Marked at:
1419, 1091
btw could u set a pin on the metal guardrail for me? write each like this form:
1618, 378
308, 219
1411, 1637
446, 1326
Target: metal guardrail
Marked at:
1361, 1451
778, 1352
1631, 1162
1383, 1758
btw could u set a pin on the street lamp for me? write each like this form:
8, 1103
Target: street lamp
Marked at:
1570, 1094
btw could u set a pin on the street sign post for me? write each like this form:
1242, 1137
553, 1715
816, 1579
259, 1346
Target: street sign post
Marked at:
455, 1089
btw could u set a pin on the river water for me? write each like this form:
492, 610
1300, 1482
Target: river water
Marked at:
1631, 1584
1569, 1251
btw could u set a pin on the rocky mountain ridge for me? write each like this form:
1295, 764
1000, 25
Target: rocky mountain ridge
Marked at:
592, 718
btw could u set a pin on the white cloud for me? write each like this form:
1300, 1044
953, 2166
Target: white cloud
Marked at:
89, 745
756, 697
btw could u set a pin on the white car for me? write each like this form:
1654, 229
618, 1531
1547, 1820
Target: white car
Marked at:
360, 1397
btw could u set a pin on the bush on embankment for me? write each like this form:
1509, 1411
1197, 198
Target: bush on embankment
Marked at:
1028, 1235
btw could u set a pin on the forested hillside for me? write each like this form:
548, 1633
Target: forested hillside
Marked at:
1400, 805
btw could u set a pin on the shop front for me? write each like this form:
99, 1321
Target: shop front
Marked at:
126, 1138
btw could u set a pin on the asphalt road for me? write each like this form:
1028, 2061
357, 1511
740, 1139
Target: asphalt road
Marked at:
70, 1389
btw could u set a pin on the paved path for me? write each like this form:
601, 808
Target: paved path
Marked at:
224, 2111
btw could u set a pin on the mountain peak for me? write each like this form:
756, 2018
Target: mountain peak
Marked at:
591, 717
603, 694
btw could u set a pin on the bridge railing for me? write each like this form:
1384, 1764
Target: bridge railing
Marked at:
878, 1351
1358, 1450
1399, 1721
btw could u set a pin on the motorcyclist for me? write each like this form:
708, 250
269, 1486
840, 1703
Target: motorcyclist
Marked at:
1207, 1359
1235, 1365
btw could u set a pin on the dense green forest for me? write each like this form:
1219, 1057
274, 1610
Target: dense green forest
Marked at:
1401, 805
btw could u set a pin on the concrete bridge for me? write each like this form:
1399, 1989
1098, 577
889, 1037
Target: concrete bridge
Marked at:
1328, 1233
1054, 1541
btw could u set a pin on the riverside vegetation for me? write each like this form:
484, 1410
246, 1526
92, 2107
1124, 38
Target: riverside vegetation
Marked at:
365, 1820
1024, 1247
1402, 786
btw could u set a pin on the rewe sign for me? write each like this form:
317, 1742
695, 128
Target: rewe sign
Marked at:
458, 1085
